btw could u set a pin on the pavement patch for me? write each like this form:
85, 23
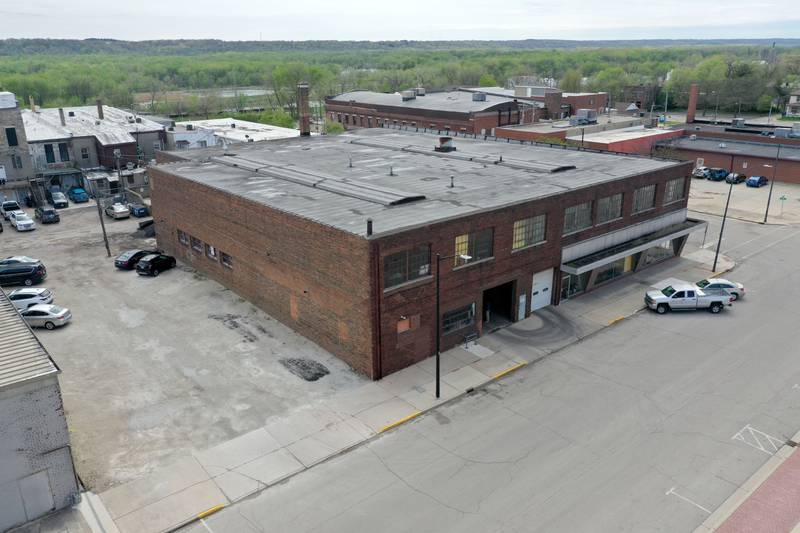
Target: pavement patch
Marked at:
306, 369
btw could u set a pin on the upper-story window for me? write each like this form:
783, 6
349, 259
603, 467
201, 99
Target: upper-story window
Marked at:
529, 231
63, 151
674, 190
644, 198
577, 217
84, 153
472, 247
406, 265
609, 208
11, 137
49, 155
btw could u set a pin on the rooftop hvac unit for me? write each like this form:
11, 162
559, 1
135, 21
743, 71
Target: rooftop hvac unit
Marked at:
738, 122
782, 132
408, 95
445, 145
589, 115
189, 127
420, 91
692, 137
478, 97
796, 129
71, 113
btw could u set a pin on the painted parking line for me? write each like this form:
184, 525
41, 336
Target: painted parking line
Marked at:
684, 498
758, 439
202, 521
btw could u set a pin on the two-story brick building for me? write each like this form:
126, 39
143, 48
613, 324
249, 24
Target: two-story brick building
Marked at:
338, 237
16, 166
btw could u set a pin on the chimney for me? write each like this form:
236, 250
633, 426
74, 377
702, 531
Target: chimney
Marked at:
32, 103
61, 116
369, 227
302, 102
100, 110
694, 91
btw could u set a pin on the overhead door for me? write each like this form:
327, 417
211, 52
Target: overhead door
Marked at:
542, 288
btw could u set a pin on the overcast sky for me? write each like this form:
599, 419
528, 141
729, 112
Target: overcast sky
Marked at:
398, 19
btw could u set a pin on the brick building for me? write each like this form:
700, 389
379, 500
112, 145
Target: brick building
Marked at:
455, 111
337, 237
554, 103
16, 165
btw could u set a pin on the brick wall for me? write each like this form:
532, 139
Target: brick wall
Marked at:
313, 278
787, 171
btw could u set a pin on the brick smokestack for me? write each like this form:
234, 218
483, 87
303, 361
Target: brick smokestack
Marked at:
61, 116
302, 103
100, 110
694, 91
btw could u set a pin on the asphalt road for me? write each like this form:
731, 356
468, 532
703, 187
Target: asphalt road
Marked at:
646, 426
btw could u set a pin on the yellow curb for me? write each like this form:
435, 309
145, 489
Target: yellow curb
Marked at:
211, 511
401, 421
618, 319
508, 371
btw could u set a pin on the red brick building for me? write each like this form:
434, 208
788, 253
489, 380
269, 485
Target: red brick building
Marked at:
452, 112
554, 103
338, 237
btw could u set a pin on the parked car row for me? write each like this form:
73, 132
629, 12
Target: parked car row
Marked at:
21, 270
712, 294
720, 174
145, 262
35, 304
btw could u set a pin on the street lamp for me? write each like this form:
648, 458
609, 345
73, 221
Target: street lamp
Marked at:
772, 182
722, 228
439, 260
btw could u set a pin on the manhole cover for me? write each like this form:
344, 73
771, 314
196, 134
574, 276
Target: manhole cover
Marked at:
305, 368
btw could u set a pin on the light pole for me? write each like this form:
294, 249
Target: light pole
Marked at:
439, 260
716, 106
772, 182
722, 228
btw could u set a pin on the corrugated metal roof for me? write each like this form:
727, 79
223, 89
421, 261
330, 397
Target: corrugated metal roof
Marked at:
22, 357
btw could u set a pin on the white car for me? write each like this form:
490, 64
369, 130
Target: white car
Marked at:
722, 286
25, 298
21, 221
46, 316
116, 211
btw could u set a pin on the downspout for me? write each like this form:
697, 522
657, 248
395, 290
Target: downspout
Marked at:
375, 295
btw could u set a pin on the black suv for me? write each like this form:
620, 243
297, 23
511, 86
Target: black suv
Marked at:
22, 273
153, 264
129, 259
47, 215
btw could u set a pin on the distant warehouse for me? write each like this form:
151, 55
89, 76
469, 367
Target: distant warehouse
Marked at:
338, 236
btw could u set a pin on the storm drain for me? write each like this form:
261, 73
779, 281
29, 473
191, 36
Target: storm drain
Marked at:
305, 368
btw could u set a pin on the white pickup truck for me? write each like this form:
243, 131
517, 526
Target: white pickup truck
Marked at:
684, 296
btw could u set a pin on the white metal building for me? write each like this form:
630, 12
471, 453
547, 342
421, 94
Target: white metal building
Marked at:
37, 475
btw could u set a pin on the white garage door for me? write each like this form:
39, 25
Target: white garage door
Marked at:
542, 289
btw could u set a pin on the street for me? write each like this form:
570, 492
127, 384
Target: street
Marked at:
647, 425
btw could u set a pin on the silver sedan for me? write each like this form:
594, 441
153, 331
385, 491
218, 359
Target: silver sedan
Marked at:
46, 316
722, 286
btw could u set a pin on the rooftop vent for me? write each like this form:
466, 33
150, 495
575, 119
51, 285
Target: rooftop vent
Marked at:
138, 120
189, 127
445, 145
722, 145
692, 137
478, 97
420, 91
408, 95
71, 113
233, 124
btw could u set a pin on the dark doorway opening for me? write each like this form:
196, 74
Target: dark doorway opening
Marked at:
498, 307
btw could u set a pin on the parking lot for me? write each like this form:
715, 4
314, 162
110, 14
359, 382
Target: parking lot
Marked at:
153, 368
747, 203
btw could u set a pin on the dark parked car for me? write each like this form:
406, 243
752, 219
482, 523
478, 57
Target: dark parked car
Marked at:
59, 200
47, 215
717, 174
735, 177
127, 260
154, 264
756, 181
139, 210
22, 273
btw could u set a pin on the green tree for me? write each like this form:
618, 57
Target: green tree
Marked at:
487, 80
571, 81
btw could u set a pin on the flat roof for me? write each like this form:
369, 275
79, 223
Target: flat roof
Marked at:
557, 126
116, 127
452, 101
240, 130
622, 134
22, 356
705, 144
341, 181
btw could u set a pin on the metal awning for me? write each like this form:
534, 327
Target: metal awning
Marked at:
640, 244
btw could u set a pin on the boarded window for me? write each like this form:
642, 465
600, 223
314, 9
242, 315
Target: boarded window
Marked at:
458, 319
577, 217
529, 231
407, 265
609, 208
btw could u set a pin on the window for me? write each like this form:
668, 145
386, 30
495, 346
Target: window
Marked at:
183, 238
674, 191
11, 137
48, 153
63, 151
16, 161
529, 231
407, 265
202, 144
226, 259
197, 244
131, 179
644, 198
577, 217
476, 245
609, 208
458, 319
84, 153
157, 145
211, 252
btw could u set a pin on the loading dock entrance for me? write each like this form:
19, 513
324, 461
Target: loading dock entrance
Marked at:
498, 307
541, 289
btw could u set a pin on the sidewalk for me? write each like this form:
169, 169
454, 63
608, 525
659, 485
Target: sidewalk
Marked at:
768, 502
287, 445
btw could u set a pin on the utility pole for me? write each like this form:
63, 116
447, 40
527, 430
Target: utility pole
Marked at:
716, 108
666, 103
722, 228
100, 215
772, 182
